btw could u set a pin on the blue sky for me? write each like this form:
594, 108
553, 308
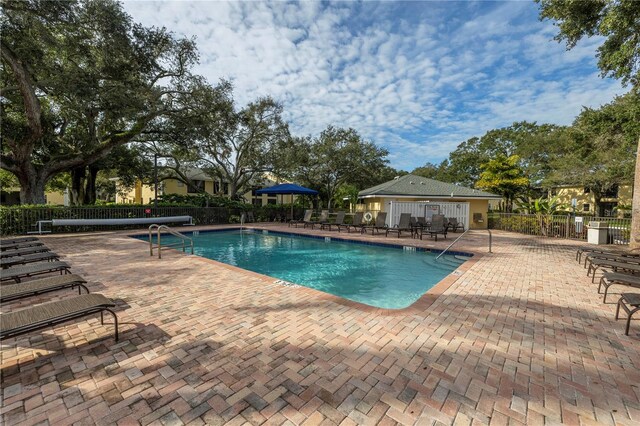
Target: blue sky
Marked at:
417, 78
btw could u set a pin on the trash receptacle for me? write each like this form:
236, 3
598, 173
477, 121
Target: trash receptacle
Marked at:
597, 232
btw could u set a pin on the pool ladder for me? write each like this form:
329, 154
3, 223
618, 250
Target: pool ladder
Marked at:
159, 229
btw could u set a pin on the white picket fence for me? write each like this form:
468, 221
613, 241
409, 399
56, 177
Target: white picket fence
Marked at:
458, 210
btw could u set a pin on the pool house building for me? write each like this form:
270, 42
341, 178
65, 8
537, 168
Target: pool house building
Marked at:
423, 197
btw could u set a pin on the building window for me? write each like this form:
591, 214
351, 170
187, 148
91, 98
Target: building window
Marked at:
611, 192
271, 201
216, 187
587, 190
196, 187
586, 207
225, 188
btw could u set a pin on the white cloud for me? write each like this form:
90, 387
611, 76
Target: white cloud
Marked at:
416, 78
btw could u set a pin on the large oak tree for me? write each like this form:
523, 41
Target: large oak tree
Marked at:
79, 78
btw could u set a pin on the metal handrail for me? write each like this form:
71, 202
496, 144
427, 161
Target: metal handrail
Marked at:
456, 240
451, 245
159, 229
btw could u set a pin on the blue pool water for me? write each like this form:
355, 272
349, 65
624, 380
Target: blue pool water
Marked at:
384, 277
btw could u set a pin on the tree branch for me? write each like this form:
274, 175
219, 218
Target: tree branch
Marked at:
31, 102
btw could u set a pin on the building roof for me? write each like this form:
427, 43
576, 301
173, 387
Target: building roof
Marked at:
418, 186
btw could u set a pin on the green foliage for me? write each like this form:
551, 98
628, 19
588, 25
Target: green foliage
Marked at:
203, 200
228, 143
336, 157
79, 79
348, 191
8, 180
598, 150
541, 205
530, 141
504, 176
434, 171
617, 21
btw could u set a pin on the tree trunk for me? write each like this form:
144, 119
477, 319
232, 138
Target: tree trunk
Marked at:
76, 195
32, 188
597, 196
634, 241
233, 190
90, 186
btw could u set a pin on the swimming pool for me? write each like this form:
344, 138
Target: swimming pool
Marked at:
381, 276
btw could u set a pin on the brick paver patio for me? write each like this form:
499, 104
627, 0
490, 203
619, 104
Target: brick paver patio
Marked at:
520, 337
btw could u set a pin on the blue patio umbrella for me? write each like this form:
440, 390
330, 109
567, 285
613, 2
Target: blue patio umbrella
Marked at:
287, 188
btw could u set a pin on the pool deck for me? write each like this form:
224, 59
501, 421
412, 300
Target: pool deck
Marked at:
518, 336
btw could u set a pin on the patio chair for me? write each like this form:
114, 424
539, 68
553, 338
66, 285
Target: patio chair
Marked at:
305, 219
17, 273
355, 224
615, 265
633, 302
53, 313
403, 225
455, 225
4, 241
20, 245
379, 225
43, 285
28, 258
339, 221
438, 226
324, 218
23, 251
610, 278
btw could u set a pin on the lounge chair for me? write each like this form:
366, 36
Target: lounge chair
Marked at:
17, 273
43, 285
379, 225
355, 224
53, 313
610, 278
403, 225
17, 240
624, 257
324, 218
455, 225
13, 246
631, 299
23, 251
305, 219
587, 250
339, 221
617, 266
28, 258
438, 226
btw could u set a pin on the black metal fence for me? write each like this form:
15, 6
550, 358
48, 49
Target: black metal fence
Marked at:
21, 220
560, 226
